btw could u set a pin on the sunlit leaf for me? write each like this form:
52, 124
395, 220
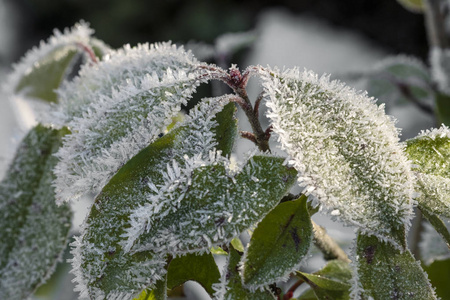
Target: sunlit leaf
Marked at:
346, 150
237, 244
279, 243
230, 286
383, 272
33, 230
199, 268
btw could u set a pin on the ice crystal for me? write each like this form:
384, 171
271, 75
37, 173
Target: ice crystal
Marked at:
440, 68
33, 230
345, 148
116, 108
101, 266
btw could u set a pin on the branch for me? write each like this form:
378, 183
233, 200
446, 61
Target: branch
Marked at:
327, 245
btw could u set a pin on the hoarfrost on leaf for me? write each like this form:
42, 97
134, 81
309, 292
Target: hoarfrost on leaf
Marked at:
430, 155
116, 108
401, 275
33, 230
43, 68
345, 148
101, 265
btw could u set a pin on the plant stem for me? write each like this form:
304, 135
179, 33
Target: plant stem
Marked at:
434, 24
327, 245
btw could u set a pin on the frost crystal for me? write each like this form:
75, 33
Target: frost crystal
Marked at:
345, 148
118, 107
98, 253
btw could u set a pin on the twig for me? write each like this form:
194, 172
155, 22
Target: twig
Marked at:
327, 245
290, 293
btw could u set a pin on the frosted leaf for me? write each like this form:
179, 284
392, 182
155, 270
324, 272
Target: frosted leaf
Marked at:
209, 208
116, 108
33, 230
395, 79
43, 68
384, 272
102, 267
278, 244
440, 68
432, 247
430, 155
230, 286
345, 148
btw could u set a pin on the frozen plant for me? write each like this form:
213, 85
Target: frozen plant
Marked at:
169, 197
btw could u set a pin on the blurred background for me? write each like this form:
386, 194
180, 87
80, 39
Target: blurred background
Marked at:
341, 38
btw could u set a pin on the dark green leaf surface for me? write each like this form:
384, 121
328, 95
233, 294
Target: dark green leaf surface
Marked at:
331, 282
386, 273
439, 275
47, 74
226, 131
196, 267
443, 108
33, 230
233, 288
278, 244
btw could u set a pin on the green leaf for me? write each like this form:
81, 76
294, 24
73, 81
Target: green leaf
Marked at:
47, 74
101, 265
385, 272
237, 244
158, 293
346, 149
395, 80
117, 108
331, 282
231, 287
416, 6
226, 131
200, 268
430, 153
215, 207
33, 230
218, 251
439, 273
279, 243
308, 294
443, 108
437, 224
